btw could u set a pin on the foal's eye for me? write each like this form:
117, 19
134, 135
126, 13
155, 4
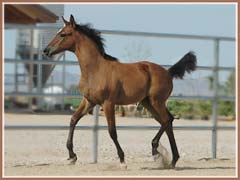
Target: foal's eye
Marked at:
63, 35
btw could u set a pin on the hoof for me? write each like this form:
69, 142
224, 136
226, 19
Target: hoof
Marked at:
72, 161
172, 165
156, 157
174, 162
123, 166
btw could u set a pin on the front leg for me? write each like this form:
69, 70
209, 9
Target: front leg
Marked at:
109, 111
82, 110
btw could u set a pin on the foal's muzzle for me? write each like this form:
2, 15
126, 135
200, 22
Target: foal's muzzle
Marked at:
47, 52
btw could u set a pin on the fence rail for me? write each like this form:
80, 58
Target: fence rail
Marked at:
127, 33
72, 63
27, 94
99, 127
215, 98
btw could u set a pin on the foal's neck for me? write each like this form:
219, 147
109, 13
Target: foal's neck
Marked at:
88, 56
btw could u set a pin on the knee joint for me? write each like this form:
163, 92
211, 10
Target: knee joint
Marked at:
73, 121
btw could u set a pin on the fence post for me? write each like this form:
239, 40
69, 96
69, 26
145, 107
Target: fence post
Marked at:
95, 134
39, 74
30, 85
16, 68
215, 101
63, 79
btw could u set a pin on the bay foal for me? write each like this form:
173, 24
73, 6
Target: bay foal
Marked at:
107, 82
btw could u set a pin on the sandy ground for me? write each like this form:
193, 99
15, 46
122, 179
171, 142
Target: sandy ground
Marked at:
44, 153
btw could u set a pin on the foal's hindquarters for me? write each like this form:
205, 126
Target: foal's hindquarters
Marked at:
155, 103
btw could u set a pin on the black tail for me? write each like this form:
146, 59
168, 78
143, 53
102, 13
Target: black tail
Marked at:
187, 63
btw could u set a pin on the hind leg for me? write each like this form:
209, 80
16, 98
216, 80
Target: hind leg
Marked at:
157, 116
162, 115
164, 119
171, 138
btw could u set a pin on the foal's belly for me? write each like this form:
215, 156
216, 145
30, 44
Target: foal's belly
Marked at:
126, 101
130, 95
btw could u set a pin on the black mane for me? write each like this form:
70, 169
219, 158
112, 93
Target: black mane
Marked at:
95, 36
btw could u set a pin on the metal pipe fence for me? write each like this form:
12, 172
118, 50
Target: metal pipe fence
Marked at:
95, 128
26, 94
101, 127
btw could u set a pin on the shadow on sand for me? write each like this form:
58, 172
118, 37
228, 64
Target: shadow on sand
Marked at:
187, 168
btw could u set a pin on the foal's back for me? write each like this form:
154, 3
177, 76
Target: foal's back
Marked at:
135, 81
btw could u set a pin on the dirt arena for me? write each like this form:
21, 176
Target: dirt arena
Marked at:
44, 153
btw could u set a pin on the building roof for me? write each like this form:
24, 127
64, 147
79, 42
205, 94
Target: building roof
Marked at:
28, 14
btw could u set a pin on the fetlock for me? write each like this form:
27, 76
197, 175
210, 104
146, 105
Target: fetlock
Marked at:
154, 148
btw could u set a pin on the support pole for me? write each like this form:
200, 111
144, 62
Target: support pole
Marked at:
63, 79
30, 81
95, 133
215, 101
39, 74
16, 68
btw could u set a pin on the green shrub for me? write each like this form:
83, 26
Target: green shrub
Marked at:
199, 109
203, 109
74, 102
226, 108
181, 108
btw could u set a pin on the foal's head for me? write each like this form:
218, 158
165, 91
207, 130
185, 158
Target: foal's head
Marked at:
64, 40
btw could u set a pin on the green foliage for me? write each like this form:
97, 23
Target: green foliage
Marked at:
203, 109
73, 89
190, 109
199, 109
181, 108
230, 84
226, 108
73, 102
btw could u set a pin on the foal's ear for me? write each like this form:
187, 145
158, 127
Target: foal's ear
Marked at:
72, 21
64, 21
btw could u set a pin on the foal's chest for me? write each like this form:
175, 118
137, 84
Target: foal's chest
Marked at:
93, 93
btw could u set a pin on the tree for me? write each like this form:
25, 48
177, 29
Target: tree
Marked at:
230, 84
226, 108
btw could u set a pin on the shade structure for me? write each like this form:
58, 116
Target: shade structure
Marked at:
28, 14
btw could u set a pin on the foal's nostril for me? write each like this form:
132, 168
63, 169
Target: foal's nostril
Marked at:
45, 50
